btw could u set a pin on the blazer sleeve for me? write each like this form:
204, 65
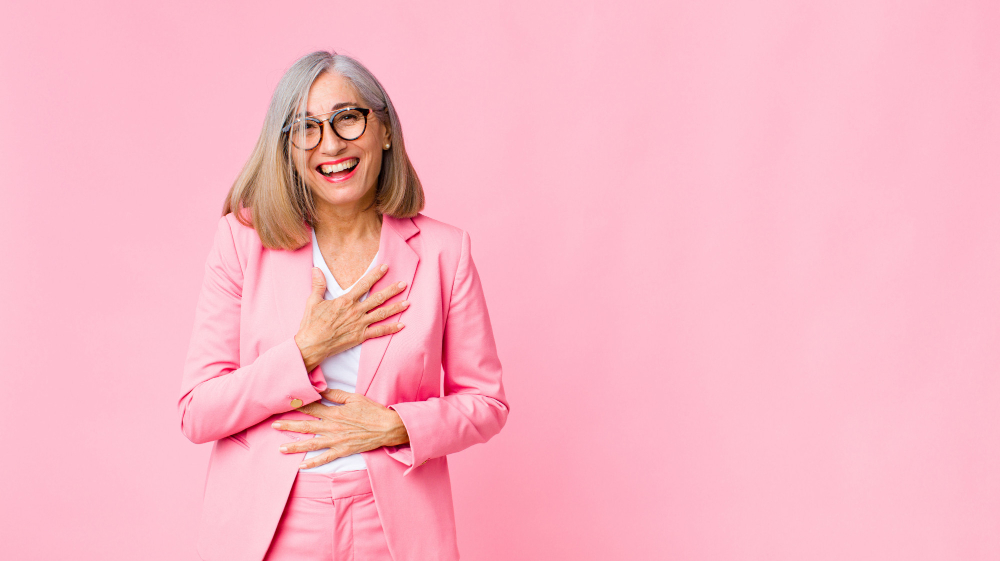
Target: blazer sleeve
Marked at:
218, 397
473, 407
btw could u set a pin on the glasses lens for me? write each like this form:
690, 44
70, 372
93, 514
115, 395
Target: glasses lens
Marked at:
349, 124
305, 134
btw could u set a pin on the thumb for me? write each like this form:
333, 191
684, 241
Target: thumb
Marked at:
335, 395
319, 284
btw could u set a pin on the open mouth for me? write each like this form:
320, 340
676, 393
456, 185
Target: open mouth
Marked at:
339, 170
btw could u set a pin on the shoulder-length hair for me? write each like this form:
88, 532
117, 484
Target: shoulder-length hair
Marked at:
271, 197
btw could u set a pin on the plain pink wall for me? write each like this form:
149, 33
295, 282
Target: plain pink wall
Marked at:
742, 260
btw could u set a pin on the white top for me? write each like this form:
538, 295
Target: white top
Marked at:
341, 369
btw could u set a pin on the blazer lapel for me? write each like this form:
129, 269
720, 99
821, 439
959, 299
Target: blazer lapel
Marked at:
402, 261
293, 283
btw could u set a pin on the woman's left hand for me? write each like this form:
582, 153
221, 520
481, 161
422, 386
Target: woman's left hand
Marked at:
358, 425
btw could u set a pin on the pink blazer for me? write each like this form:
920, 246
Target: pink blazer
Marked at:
441, 374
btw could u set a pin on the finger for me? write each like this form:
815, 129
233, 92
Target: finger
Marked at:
317, 409
382, 329
382, 296
367, 282
318, 285
326, 458
307, 427
335, 395
380, 314
308, 445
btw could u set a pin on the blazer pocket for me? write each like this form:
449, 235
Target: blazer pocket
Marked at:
240, 438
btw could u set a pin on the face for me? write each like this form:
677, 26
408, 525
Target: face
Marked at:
333, 187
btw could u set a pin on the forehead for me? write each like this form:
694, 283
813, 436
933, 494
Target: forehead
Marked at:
330, 91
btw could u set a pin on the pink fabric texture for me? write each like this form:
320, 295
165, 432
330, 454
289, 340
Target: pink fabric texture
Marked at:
243, 370
330, 517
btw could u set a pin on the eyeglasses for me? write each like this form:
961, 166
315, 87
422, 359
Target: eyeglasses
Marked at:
348, 123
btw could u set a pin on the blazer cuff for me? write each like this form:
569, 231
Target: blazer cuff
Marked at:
306, 387
316, 378
401, 453
408, 454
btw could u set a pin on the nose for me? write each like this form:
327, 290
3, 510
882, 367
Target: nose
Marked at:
331, 143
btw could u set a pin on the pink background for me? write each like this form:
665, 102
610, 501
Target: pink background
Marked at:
742, 260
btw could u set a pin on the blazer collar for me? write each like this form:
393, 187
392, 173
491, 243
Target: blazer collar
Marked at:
294, 283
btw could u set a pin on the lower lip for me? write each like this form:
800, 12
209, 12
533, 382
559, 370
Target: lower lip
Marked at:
340, 179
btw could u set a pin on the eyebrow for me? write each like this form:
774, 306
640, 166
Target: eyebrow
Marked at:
335, 107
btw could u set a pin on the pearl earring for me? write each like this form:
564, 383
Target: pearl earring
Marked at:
386, 146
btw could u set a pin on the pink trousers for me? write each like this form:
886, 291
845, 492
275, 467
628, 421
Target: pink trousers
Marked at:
330, 517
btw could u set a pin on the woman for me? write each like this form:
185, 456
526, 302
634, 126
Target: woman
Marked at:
330, 424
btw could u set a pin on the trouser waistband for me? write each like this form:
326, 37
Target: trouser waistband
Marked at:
331, 485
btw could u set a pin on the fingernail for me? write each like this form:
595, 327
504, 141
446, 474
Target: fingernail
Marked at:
405, 303
402, 284
302, 466
283, 448
401, 325
275, 425
383, 267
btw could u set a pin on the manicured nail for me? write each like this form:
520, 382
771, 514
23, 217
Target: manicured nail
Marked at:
402, 284
283, 448
276, 425
405, 303
400, 325
302, 466
383, 267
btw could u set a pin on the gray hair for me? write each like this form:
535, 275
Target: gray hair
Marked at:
278, 200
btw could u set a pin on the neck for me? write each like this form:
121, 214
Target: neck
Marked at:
340, 226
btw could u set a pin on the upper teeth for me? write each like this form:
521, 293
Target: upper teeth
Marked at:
334, 168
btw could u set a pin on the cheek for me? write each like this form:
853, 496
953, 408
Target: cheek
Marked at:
374, 167
301, 164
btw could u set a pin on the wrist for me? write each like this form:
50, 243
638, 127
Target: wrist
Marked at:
310, 355
394, 431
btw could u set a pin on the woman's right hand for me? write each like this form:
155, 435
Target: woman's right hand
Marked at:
331, 326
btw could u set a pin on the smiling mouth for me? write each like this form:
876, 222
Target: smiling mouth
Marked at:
338, 169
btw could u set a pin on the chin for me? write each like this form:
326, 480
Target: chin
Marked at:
341, 195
